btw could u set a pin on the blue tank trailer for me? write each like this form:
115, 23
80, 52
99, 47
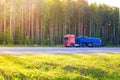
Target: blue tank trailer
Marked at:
82, 41
89, 42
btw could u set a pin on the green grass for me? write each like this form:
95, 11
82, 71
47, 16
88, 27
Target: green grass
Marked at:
60, 67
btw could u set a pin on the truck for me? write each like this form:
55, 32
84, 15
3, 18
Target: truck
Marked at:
81, 41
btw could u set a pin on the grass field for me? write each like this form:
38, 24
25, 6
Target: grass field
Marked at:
60, 67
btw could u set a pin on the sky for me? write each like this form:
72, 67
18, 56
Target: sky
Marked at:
115, 3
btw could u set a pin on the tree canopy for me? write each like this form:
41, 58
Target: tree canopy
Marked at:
45, 22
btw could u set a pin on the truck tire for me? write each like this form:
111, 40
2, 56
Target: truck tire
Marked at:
72, 45
82, 45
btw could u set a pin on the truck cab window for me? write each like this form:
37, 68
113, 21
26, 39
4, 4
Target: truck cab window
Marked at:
65, 39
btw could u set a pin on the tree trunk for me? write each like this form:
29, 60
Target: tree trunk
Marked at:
32, 27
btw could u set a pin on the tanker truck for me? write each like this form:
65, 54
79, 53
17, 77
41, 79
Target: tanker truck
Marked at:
81, 41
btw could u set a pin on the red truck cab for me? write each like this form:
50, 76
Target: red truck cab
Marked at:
69, 40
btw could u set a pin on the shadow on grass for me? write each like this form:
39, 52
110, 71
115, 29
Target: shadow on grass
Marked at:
99, 74
14, 75
93, 73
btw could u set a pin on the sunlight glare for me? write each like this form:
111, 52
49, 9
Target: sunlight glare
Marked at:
115, 3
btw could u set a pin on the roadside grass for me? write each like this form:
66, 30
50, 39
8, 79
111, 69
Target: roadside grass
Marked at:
60, 67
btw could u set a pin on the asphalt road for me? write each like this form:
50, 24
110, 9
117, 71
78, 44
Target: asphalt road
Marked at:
53, 50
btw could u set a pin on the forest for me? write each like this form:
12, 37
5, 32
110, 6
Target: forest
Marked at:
45, 22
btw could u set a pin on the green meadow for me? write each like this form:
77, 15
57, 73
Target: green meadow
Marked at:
60, 67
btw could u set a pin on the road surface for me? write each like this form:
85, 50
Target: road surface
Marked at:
53, 50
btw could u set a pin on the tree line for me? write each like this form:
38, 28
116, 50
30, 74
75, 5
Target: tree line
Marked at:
45, 22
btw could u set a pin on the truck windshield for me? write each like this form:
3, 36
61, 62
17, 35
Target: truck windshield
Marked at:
65, 39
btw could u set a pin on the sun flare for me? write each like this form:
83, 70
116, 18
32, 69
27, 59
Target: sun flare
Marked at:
115, 3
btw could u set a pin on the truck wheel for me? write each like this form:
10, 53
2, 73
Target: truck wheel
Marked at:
80, 45
72, 45
83, 45
93, 45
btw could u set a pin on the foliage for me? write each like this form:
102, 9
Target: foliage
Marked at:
45, 22
8, 36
